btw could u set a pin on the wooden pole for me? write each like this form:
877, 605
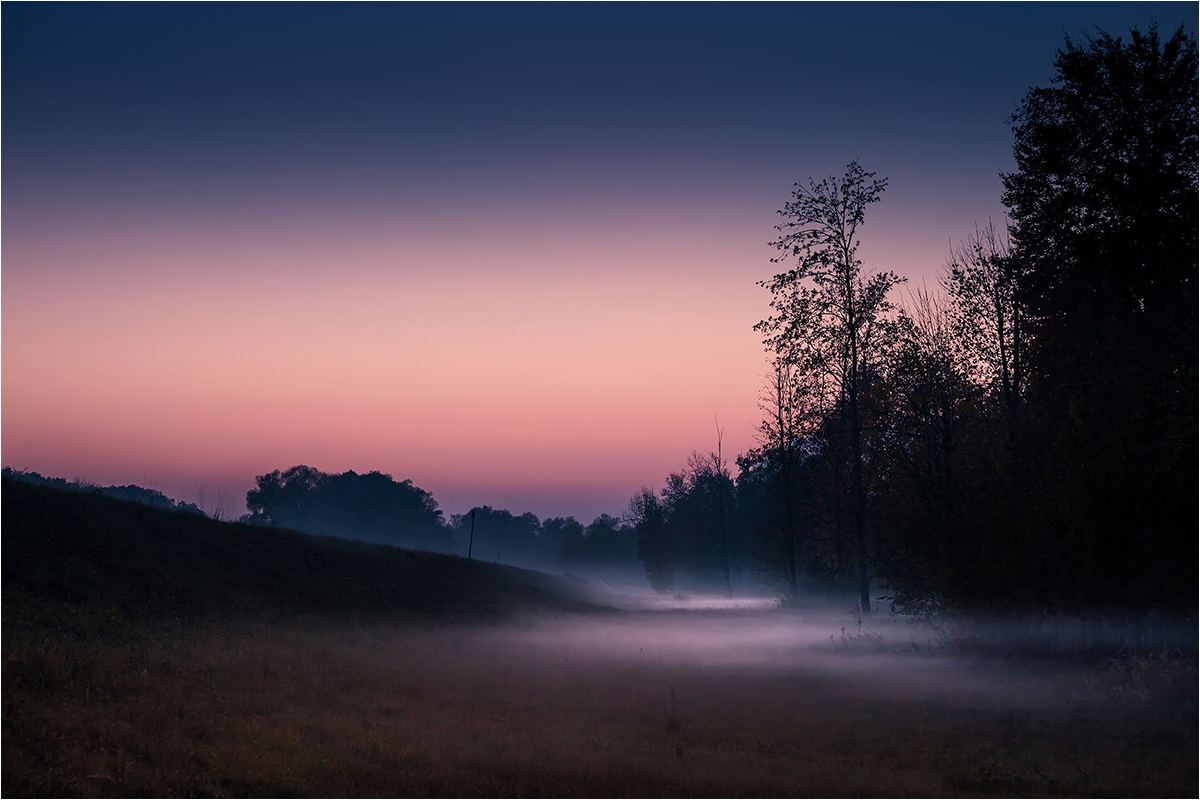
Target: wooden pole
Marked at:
471, 541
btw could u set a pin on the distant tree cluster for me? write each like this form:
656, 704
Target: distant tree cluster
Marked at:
377, 508
606, 547
129, 492
684, 533
372, 506
1022, 438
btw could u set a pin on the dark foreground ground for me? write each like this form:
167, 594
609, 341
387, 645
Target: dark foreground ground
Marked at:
275, 689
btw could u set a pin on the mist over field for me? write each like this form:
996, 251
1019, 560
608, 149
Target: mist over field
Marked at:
662, 702
144, 653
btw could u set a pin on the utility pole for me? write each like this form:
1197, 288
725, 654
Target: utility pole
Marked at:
471, 541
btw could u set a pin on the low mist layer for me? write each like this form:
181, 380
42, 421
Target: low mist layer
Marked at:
650, 703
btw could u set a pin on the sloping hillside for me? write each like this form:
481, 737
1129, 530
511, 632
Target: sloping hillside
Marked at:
64, 551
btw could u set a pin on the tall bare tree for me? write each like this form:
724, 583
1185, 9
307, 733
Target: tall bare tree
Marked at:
986, 313
831, 320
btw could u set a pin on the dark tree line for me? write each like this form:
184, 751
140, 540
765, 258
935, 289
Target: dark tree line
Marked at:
375, 507
1064, 473
129, 492
605, 547
1021, 438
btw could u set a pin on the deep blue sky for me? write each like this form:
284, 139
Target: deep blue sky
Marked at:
121, 86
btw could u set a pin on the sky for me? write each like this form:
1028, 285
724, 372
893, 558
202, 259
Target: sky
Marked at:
509, 252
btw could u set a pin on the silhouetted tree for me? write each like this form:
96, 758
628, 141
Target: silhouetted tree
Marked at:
372, 506
607, 547
987, 314
685, 534
1039, 436
559, 534
698, 500
830, 319
1103, 204
774, 484
506, 537
927, 485
648, 516
722, 488
1103, 200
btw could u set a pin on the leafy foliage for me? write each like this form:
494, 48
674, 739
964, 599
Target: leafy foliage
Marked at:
1024, 437
1045, 449
373, 507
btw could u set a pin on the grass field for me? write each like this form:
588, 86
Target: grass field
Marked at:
150, 654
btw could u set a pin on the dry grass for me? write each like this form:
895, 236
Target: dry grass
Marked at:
542, 709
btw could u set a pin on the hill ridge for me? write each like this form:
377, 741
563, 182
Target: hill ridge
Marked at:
71, 550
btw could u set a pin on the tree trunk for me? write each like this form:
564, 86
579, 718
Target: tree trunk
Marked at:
725, 541
789, 538
720, 469
790, 535
858, 493
859, 498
